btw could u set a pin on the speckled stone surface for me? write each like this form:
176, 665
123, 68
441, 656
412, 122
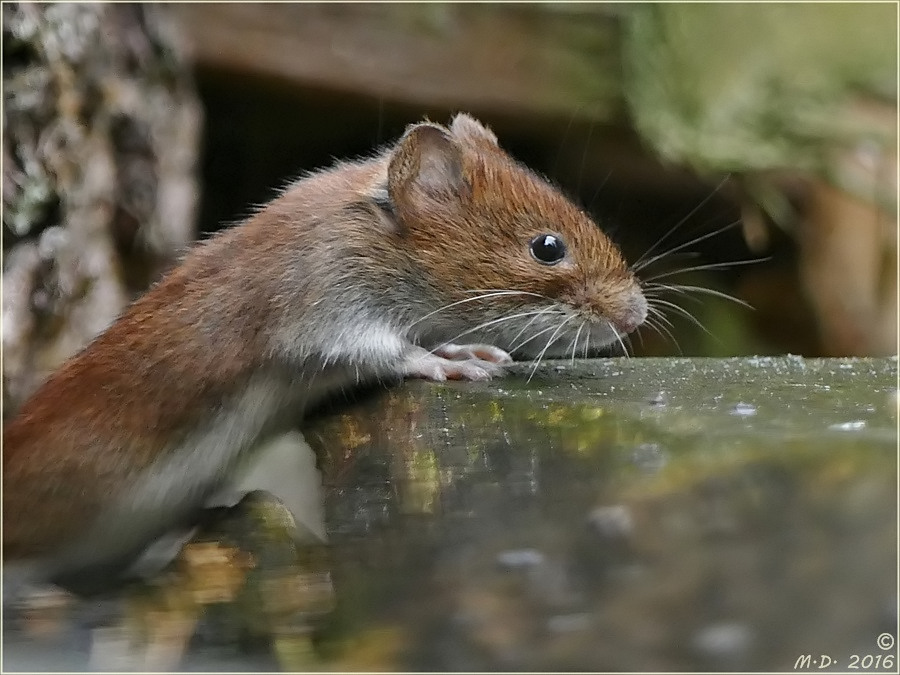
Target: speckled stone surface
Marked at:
611, 514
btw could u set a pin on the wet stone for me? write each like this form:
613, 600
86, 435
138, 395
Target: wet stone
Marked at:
612, 522
724, 643
609, 522
578, 521
649, 457
659, 398
520, 558
743, 410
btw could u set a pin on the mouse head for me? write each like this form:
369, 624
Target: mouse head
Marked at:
516, 257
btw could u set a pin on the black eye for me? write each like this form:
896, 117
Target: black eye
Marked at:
548, 249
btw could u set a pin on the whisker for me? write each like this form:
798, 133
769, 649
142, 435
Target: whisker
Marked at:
571, 348
678, 308
637, 265
485, 324
531, 321
665, 333
663, 326
684, 289
575, 341
507, 291
681, 310
711, 266
485, 295
552, 339
642, 265
655, 296
619, 338
640, 338
659, 314
565, 135
590, 205
527, 340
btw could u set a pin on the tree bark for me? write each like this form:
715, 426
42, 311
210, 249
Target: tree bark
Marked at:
101, 131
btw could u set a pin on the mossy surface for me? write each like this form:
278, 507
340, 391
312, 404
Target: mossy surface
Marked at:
740, 87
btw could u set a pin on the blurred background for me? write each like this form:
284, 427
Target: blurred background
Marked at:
765, 133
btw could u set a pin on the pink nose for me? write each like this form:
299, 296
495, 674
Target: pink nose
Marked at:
634, 316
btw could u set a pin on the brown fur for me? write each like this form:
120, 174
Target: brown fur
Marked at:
326, 284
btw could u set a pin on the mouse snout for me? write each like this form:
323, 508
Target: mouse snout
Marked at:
633, 314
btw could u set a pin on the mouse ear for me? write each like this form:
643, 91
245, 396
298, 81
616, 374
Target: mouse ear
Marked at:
426, 166
467, 127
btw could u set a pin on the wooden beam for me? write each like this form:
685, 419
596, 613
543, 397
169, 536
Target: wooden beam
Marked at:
523, 59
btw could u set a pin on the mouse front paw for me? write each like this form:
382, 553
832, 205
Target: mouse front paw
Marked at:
462, 365
474, 352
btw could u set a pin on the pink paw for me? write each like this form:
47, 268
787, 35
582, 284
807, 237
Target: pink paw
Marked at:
476, 352
452, 362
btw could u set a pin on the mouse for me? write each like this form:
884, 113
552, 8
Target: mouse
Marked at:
439, 256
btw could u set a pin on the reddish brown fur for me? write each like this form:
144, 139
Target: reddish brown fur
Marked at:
319, 259
520, 206
109, 412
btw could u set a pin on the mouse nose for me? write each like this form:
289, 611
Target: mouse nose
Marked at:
634, 314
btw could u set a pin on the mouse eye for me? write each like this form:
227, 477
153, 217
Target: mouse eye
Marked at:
548, 249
